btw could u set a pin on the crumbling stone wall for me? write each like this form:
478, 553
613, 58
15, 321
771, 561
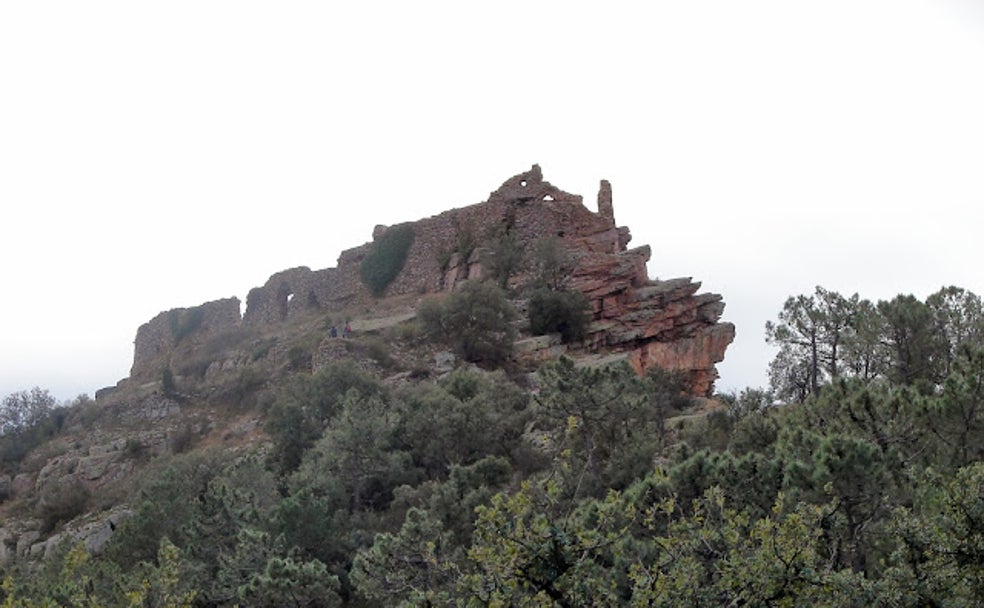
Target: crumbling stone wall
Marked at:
525, 204
663, 323
447, 248
157, 338
290, 292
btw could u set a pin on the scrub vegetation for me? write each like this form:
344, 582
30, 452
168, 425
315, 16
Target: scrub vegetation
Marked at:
853, 480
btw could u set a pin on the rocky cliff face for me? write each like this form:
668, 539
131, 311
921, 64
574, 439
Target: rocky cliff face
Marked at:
661, 323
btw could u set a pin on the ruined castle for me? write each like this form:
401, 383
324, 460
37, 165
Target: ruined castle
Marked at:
649, 323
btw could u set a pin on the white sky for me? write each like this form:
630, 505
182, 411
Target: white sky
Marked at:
157, 155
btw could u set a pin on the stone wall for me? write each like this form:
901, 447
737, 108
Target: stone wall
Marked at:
663, 323
293, 291
157, 338
528, 205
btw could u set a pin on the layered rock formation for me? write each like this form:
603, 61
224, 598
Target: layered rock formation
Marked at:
662, 323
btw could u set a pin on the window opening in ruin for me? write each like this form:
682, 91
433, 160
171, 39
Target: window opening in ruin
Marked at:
290, 297
523, 183
548, 198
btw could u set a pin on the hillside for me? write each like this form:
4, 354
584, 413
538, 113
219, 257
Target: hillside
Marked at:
527, 420
200, 375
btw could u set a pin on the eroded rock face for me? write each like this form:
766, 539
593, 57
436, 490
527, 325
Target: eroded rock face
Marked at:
157, 338
662, 323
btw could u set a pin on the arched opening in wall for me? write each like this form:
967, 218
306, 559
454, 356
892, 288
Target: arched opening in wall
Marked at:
523, 183
284, 296
548, 198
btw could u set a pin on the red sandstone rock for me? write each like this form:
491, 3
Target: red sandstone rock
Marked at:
655, 323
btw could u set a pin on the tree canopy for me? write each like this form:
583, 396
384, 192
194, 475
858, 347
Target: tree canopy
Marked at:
855, 481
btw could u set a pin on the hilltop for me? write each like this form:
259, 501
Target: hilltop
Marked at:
663, 323
497, 406
209, 379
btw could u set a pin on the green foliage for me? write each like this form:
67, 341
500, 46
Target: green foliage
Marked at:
506, 256
605, 422
72, 578
27, 420
386, 258
287, 582
715, 555
61, 503
416, 565
550, 264
301, 409
911, 339
462, 419
536, 548
161, 582
576, 490
826, 336
161, 507
955, 418
182, 439
467, 241
811, 333
475, 321
379, 351
185, 321
939, 543
565, 312
357, 456
167, 383
262, 349
23, 410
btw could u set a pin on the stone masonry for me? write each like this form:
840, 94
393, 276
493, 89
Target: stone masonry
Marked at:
661, 323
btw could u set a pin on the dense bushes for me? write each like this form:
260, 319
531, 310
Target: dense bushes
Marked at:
386, 258
184, 322
475, 321
300, 410
62, 503
27, 419
585, 486
581, 492
559, 311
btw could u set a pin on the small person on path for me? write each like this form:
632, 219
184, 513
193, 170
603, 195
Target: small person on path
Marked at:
333, 332
347, 333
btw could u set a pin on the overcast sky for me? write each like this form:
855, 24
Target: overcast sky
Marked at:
156, 155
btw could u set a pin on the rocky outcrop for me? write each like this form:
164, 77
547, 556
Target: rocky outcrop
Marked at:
663, 323
157, 338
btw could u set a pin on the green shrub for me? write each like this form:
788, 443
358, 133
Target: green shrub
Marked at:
185, 322
298, 358
505, 258
562, 311
550, 264
475, 321
62, 503
27, 420
380, 352
167, 382
181, 439
134, 449
386, 258
262, 349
